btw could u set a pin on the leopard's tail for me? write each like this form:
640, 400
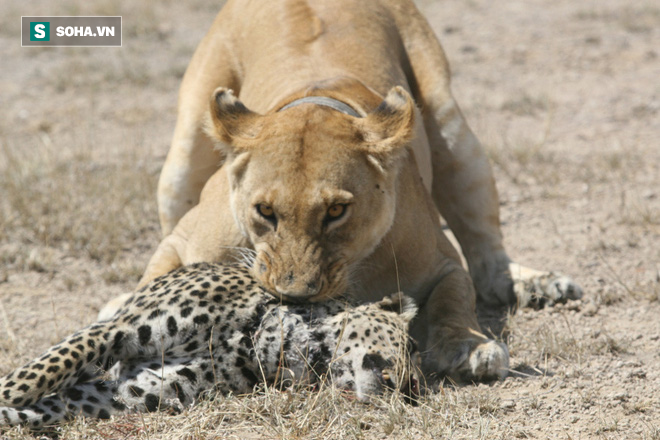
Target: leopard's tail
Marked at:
78, 358
92, 399
136, 386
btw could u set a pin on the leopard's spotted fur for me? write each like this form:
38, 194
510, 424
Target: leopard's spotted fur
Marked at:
209, 328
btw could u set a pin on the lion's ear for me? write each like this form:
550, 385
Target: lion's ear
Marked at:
393, 121
389, 127
231, 121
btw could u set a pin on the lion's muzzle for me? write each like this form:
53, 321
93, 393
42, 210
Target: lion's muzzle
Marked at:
298, 287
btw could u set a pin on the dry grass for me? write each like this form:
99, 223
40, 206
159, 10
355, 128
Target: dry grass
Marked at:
67, 199
324, 414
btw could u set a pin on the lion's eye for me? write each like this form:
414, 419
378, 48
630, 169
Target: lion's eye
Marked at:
335, 212
266, 211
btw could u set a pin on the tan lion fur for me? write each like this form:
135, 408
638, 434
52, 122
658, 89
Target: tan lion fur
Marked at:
408, 158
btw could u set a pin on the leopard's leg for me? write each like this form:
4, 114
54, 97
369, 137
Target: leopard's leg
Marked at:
170, 384
448, 334
463, 186
192, 159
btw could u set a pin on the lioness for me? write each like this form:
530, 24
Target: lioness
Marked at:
333, 167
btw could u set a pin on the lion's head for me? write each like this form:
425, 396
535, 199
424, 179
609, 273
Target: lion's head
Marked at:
313, 189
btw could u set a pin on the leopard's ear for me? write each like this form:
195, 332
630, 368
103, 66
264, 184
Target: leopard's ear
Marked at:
389, 127
401, 304
231, 121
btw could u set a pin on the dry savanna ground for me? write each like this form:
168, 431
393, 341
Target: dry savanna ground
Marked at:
565, 96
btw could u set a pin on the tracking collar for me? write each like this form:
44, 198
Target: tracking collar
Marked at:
325, 101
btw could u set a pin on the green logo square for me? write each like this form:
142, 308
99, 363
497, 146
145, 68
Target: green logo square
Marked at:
39, 31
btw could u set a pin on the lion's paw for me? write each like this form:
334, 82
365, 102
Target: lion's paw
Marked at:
536, 288
487, 361
112, 307
474, 360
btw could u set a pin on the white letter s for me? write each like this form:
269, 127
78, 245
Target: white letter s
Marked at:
40, 31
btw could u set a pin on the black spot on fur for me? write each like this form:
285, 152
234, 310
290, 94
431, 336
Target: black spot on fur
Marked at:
188, 374
172, 327
117, 405
201, 319
200, 293
136, 391
176, 387
249, 376
73, 394
374, 361
103, 414
144, 334
151, 401
118, 340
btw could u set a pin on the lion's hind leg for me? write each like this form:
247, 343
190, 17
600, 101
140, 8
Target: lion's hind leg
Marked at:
535, 288
463, 186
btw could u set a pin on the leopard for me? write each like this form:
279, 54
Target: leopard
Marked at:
205, 330
324, 135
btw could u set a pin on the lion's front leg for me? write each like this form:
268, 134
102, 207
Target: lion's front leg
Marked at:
449, 336
192, 159
166, 258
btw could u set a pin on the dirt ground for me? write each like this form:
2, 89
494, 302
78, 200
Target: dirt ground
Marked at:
565, 96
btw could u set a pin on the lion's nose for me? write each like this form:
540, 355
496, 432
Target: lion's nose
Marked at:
293, 287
